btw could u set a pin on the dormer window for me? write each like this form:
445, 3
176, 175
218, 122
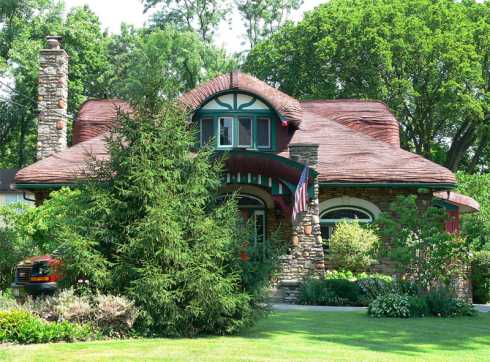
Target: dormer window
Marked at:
237, 120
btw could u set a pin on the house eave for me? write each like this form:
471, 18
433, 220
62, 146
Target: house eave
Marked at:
388, 185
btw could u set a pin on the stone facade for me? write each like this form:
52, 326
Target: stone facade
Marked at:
305, 257
52, 100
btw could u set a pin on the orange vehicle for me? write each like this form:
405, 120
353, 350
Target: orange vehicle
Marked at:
37, 275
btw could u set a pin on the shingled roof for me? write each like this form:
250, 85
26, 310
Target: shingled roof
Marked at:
359, 141
96, 116
347, 155
288, 108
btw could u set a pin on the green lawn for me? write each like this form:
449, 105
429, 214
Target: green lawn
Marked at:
294, 336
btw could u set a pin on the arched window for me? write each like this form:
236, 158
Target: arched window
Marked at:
345, 208
329, 218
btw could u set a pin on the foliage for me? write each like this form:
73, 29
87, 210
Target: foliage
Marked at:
438, 302
345, 288
7, 301
480, 276
113, 316
201, 16
351, 246
315, 292
476, 226
428, 60
161, 64
262, 18
20, 326
422, 250
64, 225
390, 305
22, 35
441, 303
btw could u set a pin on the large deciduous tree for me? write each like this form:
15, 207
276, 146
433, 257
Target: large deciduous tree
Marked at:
202, 16
263, 17
428, 60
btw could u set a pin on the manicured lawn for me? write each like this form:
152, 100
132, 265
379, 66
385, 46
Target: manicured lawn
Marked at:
294, 336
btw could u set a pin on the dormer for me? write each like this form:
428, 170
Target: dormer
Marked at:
237, 120
238, 111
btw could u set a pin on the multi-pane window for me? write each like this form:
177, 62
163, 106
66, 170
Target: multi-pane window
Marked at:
244, 132
237, 131
207, 130
263, 132
225, 131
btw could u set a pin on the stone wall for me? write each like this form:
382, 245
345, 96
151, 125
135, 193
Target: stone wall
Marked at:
52, 100
305, 257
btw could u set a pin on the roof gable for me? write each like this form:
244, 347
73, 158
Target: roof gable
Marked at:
288, 108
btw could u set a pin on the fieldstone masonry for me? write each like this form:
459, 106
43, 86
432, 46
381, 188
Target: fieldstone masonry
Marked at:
52, 99
305, 257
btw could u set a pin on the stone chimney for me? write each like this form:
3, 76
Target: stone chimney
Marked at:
52, 99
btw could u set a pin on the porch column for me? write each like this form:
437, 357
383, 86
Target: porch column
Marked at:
306, 258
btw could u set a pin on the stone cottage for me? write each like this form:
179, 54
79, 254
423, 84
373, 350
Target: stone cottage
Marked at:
352, 148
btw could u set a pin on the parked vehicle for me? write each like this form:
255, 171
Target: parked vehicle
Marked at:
37, 275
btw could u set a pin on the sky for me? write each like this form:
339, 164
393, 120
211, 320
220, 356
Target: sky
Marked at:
114, 12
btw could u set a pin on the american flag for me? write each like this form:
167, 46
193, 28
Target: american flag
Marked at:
301, 194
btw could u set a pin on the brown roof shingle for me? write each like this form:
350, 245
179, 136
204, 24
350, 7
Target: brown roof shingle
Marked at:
96, 116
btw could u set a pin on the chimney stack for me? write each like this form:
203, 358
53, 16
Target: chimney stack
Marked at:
52, 99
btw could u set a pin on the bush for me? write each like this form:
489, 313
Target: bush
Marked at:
442, 304
374, 286
344, 289
418, 306
114, 315
315, 292
7, 301
20, 326
390, 305
480, 276
352, 246
438, 302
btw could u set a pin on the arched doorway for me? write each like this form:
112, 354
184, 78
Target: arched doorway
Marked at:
253, 210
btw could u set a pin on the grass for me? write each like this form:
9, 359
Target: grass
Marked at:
294, 336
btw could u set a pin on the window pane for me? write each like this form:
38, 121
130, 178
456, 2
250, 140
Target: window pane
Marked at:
226, 131
244, 131
207, 130
259, 226
346, 213
263, 132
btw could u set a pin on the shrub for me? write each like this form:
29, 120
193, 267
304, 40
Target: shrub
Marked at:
441, 303
374, 286
7, 301
480, 276
114, 315
418, 306
64, 306
352, 246
20, 326
390, 305
344, 289
419, 245
315, 292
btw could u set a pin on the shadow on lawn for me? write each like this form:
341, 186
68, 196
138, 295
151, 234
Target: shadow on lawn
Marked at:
402, 336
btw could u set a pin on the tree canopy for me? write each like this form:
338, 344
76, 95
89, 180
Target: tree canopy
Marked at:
428, 60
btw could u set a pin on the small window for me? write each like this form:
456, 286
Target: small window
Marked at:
244, 132
226, 131
207, 130
263, 132
329, 218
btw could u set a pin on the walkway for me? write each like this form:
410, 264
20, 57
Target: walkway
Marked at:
485, 308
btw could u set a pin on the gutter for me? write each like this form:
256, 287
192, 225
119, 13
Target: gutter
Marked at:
389, 185
42, 186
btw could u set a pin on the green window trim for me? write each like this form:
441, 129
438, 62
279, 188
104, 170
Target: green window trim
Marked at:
235, 116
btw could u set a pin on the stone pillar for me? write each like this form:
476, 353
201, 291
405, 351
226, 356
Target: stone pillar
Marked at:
52, 99
305, 258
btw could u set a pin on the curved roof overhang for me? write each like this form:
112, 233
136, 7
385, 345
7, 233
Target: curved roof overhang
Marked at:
266, 164
464, 203
288, 108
